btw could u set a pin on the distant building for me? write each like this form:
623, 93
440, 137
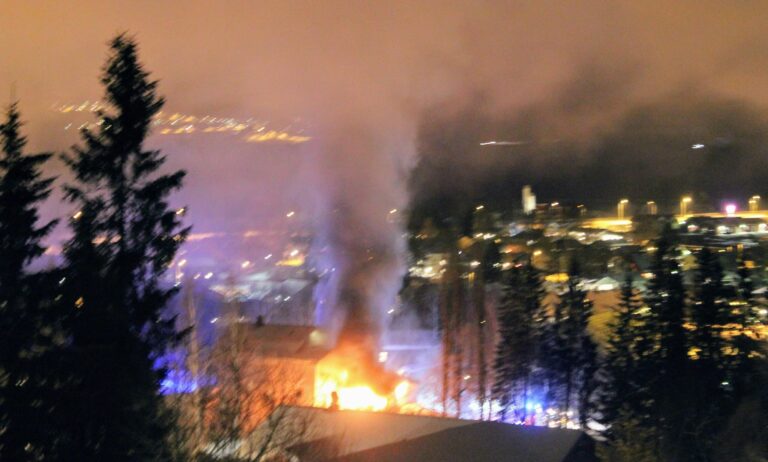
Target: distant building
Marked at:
529, 200
733, 225
283, 356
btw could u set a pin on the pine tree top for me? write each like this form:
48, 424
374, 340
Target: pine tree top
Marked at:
22, 188
125, 225
12, 141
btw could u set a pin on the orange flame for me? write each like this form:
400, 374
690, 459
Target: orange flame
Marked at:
354, 395
348, 379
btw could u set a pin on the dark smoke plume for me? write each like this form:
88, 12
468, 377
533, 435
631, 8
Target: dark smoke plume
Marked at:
356, 236
594, 148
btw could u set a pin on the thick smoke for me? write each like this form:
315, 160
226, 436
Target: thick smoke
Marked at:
357, 237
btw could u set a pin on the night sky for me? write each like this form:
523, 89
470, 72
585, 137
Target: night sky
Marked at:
372, 80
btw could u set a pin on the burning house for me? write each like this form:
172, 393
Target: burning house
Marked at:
300, 365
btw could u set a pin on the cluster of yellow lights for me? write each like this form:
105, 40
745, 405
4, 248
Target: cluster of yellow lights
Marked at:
293, 261
86, 106
608, 223
557, 277
185, 124
273, 135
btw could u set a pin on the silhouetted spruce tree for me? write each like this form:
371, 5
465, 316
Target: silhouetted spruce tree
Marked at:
630, 440
125, 236
573, 354
744, 437
26, 321
516, 352
683, 381
488, 273
587, 360
555, 357
618, 367
727, 356
710, 315
712, 397
663, 348
748, 350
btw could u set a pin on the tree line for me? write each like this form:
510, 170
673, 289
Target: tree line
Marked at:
80, 343
681, 376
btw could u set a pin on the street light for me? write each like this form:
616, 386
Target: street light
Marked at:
622, 208
651, 208
685, 204
754, 203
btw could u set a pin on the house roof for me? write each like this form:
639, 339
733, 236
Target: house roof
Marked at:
485, 442
356, 436
356, 431
279, 340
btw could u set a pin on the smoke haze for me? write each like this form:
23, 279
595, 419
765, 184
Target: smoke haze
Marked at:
588, 91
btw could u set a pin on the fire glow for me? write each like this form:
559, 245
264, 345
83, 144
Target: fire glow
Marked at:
346, 379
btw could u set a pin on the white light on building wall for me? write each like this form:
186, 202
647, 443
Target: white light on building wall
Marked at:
754, 203
685, 205
529, 200
622, 208
651, 207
